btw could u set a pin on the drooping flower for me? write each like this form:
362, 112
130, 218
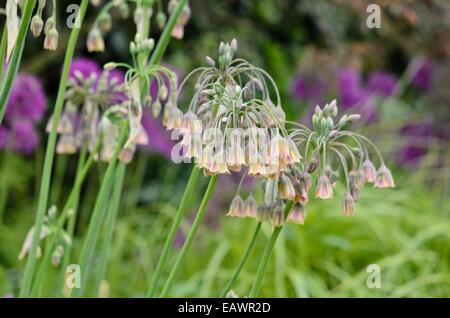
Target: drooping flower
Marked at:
384, 178
348, 204
297, 214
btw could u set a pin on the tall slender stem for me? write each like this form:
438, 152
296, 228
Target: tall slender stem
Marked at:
71, 225
82, 172
165, 36
190, 238
50, 153
243, 261
262, 268
97, 217
181, 212
109, 226
16, 57
3, 49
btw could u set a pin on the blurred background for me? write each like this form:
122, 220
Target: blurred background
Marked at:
395, 76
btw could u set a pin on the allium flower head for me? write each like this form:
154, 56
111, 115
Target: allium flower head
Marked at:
233, 99
27, 101
328, 149
25, 109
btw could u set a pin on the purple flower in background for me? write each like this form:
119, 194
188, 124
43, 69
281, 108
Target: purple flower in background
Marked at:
350, 88
423, 78
419, 137
25, 109
85, 66
309, 88
382, 83
23, 137
27, 99
159, 137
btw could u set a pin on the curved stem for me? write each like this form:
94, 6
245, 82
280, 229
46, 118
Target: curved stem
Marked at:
98, 213
190, 238
181, 212
16, 57
266, 255
109, 226
247, 253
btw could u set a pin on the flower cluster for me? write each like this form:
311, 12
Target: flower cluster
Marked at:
26, 107
231, 121
142, 16
326, 150
49, 27
90, 92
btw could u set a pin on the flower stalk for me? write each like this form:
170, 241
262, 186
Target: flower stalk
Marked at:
262, 268
110, 225
190, 237
244, 259
180, 214
50, 150
87, 251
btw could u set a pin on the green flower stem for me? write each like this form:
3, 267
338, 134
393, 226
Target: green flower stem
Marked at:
3, 44
97, 217
50, 153
247, 253
181, 212
82, 172
71, 222
166, 34
109, 227
16, 57
190, 238
266, 255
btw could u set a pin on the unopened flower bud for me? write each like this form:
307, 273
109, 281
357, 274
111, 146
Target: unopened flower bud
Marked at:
233, 45
149, 44
313, 164
104, 22
156, 109
109, 66
36, 25
41, 4
210, 61
124, 10
161, 19
353, 117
